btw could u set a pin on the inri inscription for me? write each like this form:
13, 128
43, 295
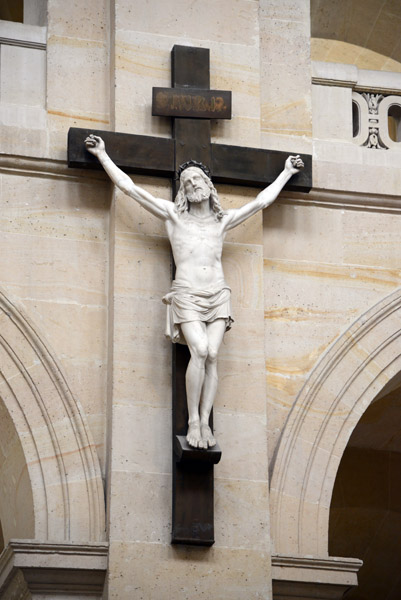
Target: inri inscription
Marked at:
195, 103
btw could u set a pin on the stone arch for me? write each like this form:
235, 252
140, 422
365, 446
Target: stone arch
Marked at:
55, 453
338, 391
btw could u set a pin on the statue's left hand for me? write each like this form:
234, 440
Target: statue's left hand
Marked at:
294, 164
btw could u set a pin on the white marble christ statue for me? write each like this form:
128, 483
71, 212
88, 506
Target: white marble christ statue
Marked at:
199, 302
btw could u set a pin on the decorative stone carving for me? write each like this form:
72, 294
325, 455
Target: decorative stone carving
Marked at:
373, 111
383, 112
199, 301
373, 101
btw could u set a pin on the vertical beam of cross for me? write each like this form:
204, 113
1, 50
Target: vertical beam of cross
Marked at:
193, 489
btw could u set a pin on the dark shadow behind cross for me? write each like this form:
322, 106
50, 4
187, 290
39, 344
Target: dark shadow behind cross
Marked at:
192, 105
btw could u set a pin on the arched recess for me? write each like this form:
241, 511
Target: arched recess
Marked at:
365, 516
55, 460
359, 23
351, 31
338, 391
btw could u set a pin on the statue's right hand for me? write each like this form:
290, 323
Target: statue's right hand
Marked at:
95, 145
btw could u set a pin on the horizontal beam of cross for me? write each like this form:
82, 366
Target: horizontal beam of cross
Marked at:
147, 155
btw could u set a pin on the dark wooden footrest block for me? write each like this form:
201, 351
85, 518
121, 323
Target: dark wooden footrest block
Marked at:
184, 453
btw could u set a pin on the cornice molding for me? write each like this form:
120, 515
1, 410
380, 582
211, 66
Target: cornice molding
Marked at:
328, 578
51, 168
350, 76
332, 563
53, 568
45, 167
23, 43
345, 199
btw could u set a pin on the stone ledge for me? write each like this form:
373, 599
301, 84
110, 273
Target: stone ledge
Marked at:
53, 567
46, 167
22, 34
343, 75
344, 199
313, 577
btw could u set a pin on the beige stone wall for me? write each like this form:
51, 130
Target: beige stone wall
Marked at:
331, 265
285, 95
333, 254
54, 223
323, 267
78, 76
54, 245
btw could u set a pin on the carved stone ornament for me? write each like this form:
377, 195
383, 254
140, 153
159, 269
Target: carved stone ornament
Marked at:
373, 120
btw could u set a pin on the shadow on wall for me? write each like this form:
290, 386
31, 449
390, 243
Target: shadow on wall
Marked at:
365, 514
30, 12
16, 498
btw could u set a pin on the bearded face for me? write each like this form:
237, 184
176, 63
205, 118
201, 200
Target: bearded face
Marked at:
195, 185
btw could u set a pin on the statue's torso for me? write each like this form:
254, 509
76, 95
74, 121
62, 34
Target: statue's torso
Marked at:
197, 246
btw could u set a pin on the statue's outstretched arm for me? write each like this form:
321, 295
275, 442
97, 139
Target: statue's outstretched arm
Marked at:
236, 216
157, 206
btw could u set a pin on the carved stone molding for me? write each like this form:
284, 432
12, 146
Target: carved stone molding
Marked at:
343, 199
23, 43
349, 76
23, 35
307, 577
29, 567
30, 166
340, 388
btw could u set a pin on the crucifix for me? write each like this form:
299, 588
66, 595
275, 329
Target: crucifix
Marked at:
191, 105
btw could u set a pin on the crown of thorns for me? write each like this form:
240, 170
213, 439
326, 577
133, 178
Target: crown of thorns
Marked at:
193, 163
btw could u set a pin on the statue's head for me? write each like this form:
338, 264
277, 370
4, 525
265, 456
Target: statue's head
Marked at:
196, 186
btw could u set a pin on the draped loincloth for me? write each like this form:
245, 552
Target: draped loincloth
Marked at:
185, 304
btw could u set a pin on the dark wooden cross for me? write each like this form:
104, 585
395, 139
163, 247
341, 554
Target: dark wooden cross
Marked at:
191, 105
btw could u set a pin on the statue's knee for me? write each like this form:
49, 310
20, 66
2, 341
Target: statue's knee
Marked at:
212, 354
200, 352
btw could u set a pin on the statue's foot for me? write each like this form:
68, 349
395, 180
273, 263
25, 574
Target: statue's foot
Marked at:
207, 436
194, 437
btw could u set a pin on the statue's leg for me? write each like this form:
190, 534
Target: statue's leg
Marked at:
215, 333
196, 338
